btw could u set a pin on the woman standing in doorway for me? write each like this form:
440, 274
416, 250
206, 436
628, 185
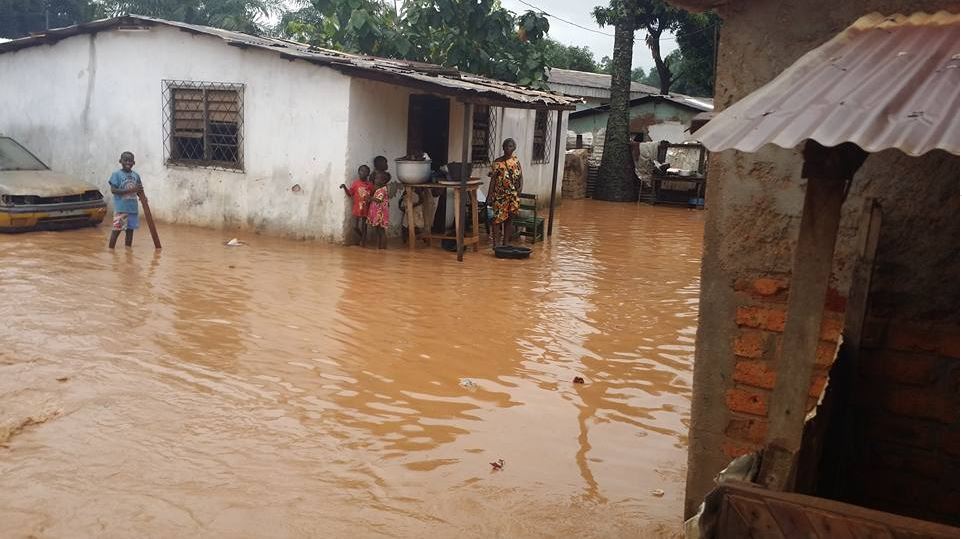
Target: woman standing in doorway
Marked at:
506, 183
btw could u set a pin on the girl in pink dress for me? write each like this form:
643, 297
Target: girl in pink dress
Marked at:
378, 216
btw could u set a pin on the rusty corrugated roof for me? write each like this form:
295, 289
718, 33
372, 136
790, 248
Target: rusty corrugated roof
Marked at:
884, 82
441, 79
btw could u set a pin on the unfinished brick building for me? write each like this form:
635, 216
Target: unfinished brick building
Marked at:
833, 209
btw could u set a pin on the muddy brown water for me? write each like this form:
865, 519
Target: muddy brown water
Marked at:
295, 389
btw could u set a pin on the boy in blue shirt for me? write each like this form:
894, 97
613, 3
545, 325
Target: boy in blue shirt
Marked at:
125, 184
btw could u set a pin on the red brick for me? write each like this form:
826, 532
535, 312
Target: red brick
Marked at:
818, 384
754, 373
748, 429
914, 402
901, 430
912, 337
825, 354
831, 328
761, 318
747, 401
949, 344
750, 344
734, 449
901, 367
766, 286
902, 458
835, 301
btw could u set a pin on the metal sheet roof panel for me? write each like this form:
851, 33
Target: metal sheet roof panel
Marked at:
439, 77
884, 82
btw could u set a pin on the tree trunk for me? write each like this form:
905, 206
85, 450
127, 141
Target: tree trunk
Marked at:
616, 175
664, 74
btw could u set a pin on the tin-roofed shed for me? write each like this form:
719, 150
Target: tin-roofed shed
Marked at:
234, 130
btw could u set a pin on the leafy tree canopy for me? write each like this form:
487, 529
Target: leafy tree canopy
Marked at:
569, 56
476, 36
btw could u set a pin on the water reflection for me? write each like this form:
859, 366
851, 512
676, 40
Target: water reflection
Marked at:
266, 389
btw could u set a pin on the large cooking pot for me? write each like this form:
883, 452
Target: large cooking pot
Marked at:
413, 172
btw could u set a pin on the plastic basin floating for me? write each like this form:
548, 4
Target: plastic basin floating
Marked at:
512, 252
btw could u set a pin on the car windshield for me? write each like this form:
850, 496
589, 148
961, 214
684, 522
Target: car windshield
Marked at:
14, 157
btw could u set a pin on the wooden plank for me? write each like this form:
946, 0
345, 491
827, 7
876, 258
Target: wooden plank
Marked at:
756, 515
554, 175
797, 515
409, 206
857, 306
465, 158
791, 519
811, 270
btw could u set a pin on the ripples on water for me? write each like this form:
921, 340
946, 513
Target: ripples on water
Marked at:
296, 389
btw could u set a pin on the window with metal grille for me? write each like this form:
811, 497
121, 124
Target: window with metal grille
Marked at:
483, 124
203, 124
539, 149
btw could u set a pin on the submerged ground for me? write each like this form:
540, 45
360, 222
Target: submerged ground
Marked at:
291, 389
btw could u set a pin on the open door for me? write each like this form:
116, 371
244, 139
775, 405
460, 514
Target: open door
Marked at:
428, 125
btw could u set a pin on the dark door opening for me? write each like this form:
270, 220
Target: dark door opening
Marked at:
428, 118
428, 121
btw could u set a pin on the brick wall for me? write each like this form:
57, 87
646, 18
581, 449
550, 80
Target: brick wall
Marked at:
906, 456
760, 317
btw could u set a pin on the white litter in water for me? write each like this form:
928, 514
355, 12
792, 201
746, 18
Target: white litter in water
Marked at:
468, 384
658, 493
234, 242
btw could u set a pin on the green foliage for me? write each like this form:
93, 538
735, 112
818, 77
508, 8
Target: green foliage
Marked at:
20, 17
569, 57
475, 36
236, 15
650, 78
693, 63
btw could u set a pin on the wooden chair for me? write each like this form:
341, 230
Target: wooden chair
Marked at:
527, 222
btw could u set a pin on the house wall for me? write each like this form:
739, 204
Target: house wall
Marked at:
657, 119
908, 391
80, 102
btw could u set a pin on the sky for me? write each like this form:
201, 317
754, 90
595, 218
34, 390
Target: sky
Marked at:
579, 11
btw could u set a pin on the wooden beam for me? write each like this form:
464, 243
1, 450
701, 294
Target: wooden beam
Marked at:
828, 171
554, 174
465, 158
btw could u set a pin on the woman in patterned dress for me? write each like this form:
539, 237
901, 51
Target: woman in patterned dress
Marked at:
506, 183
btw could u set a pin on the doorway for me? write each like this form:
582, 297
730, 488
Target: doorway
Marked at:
428, 124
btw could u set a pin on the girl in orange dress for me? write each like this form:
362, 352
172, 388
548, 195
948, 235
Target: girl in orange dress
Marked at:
506, 183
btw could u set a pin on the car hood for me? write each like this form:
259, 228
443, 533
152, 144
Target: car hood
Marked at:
43, 183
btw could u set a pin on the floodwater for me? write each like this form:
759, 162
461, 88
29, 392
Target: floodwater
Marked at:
295, 389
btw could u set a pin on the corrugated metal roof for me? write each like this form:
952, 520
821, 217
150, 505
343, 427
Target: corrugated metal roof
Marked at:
884, 82
702, 104
570, 77
440, 79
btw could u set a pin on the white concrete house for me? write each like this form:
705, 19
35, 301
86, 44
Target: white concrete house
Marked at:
233, 130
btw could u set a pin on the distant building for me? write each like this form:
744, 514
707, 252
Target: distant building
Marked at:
656, 117
593, 88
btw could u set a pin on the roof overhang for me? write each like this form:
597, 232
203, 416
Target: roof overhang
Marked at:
426, 77
884, 82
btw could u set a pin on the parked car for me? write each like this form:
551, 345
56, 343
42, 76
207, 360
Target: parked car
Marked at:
34, 197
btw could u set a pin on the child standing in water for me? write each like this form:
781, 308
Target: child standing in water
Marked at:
125, 184
378, 213
360, 191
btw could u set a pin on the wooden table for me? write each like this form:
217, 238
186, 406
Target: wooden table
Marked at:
426, 202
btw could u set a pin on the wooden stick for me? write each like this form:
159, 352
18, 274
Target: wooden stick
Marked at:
150, 218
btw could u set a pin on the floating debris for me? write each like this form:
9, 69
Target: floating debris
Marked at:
234, 242
658, 493
468, 384
578, 380
497, 465
62, 379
